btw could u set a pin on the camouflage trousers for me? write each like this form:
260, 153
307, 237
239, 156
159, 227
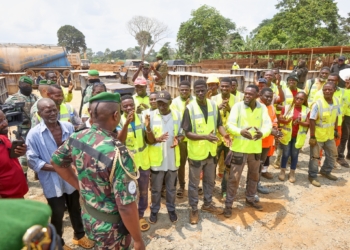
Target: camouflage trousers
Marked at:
23, 160
104, 234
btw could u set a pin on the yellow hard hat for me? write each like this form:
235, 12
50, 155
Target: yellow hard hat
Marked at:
213, 79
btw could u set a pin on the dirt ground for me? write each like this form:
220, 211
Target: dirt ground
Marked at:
294, 216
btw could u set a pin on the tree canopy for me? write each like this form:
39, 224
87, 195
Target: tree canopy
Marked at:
204, 34
301, 23
72, 39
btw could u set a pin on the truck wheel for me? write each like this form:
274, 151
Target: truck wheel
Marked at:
66, 73
42, 73
30, 73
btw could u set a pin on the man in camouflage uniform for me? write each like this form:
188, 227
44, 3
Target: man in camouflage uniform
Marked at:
162, 68
106, 177
93, 76
24, 95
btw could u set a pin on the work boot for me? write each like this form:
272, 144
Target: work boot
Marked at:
348, 157
153, 217
291, 176
212, 209
343, 163
267, 175
228, 212
194, 216
282, 174
254, 205
172, 216
262, 190
329, 176
314, 182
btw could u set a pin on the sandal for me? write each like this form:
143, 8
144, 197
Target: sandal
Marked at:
144, 226
200, 190
84, 242
180, 192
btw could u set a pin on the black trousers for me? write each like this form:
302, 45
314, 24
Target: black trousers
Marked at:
345, 136
57, 205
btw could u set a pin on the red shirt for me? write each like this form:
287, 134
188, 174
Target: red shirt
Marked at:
296, 115
294, 92
13, 183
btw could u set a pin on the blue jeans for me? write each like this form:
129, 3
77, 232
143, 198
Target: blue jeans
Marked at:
290, 150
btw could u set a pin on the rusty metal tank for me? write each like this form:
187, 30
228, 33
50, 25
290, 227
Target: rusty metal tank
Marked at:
16, 57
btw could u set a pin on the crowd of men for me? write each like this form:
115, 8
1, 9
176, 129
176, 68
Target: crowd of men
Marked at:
103, 166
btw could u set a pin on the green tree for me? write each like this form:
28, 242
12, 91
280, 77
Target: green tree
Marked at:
204, 34
300, 23
165, 51
71, 38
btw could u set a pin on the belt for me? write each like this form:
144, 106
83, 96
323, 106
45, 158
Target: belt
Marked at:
98, 215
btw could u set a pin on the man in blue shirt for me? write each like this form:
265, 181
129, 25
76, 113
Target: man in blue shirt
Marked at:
43, 140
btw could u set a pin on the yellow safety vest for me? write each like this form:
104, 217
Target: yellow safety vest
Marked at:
326, 119
244, 118
312, 92
288, 96
346, 104
224, 115
199, 150
65, 113
287, 128
156, 150
140, 100
135, 143
235, 66
238, 97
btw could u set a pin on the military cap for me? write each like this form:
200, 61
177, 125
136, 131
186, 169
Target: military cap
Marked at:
160, 55
163, 96
18, 215
93, 72
106, 97
46, 82
146, 64
293, 76
26, 79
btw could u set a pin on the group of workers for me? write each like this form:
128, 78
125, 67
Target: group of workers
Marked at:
124, 148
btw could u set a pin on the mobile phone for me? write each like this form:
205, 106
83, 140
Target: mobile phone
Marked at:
15, 143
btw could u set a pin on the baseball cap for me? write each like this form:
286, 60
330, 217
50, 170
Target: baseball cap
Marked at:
263, 80
163, 96
342, 58
140, 81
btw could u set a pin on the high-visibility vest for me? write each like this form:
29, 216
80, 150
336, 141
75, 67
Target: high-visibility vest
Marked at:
288, 96
346, 104
287, 128
135, 143
199, 150
179, 105
235, 66
238, 97
224, 115
312, 92
326, 119
242, 117
140, 100
340, 95
156, 150
65, 113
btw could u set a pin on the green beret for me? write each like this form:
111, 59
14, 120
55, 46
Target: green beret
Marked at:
159, 55
106, 97
46, 82
26, 79
93, 72
17, 215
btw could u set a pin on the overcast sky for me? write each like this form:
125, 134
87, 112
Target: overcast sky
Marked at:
103, 22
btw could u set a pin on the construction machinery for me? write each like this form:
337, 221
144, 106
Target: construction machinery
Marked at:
77, 63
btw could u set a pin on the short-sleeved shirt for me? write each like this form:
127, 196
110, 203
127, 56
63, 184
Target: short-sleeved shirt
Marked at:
94, 166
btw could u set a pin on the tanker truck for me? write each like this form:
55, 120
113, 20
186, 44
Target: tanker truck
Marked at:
33, 59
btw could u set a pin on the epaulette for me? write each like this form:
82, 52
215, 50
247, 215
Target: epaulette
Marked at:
122, 148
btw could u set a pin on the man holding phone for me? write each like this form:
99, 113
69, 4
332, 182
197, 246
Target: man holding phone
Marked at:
13, 183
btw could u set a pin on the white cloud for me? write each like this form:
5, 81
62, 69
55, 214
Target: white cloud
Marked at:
104, 22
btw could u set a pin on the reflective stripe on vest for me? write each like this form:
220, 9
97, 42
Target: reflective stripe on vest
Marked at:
156, 150
202, 127
287, 128
325, 121
135, 142
288, 96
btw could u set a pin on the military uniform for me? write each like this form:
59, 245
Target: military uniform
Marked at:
103, 186
29, 102
162, 68
88, 94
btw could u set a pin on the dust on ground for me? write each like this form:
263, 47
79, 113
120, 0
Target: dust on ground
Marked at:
295, 216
